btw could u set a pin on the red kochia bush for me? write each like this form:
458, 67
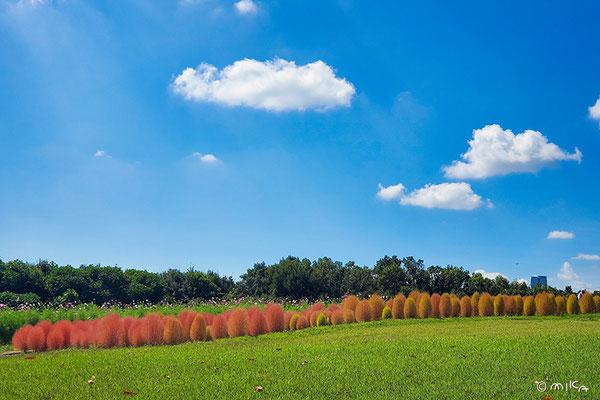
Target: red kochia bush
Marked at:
36, 339
350, 303
333, 307
45, 325
390, 303
275, 318
109, 331
134, 334
465, 306
410, 309
218, 329
302, 323
173, 331
152, 329
186, 318
445, 306
313, 318
363, 311
337, 317
349, 317
435, 305
486, 305
257, 324
238, 323
125, 324
60, 335
398, 308
19, 339
377, 305
424, 309
198, 328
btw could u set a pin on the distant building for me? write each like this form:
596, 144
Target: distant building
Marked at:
539, 280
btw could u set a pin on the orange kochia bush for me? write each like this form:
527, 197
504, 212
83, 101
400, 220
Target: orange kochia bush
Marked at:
363, 311
398, 306
445, 305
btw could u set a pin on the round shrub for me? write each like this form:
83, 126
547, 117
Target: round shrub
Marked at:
529, 306
333, 307
349, 316
287, 317
454, 306
499, 305
218, 329
109, 331
475, 304
363, 311
518, 305
275, 318
398, 307
302, 323
414, 295
322, 320
586, 303
410, 308
377, 305
350, 303
445, 306
134, 334
173, 332
435, 305
36, 339
125, 324
551, 300
390, 303
486, 305
257, 323
572, 305
19, 339
424, 310
561, 305
293, 322
152, 329
386, 313
509, 305
208, 337
198, 328
597, 303
337, 317
465, 306
313, 318
543, 305
59, 336
238, 323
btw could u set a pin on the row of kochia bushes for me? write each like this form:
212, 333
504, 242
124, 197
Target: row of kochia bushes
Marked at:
156, 329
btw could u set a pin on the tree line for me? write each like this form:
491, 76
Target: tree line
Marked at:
291, 278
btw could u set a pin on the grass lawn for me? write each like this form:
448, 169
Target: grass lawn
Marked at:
470, 358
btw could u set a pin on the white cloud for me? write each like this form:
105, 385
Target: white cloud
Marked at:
489, 275
452, 196
588, 257
561, 235
276, 85
496, 151
100, 154
566, 272
595, 110
393, 192
522, 280
206, 158
246, 7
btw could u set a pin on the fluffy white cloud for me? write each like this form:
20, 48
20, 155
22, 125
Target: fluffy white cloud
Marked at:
561, 235
489, 275
568, 275
496, 151
206, 158
393, 192
246, 7
452, 196
595, 110
276, 85
588, 257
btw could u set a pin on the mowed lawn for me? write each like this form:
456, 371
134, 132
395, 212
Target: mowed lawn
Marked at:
458, 358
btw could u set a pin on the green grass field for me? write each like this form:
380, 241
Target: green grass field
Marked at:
470, 358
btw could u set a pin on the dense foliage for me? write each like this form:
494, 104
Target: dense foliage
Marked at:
291, 278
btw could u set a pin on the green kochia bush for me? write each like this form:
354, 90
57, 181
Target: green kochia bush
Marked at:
386, 313
322, 320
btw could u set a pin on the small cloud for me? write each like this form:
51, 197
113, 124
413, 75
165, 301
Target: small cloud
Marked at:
276, 85
489, 275
595, 110
495, 151
451, 196
588, 257
101, 154
246, 7
567, 274
561, 235
206, 158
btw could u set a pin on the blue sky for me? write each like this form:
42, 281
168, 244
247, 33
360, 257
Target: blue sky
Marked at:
220, 133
